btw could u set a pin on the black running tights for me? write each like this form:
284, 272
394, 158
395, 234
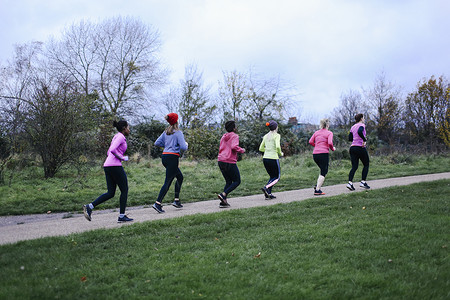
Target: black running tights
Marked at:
359, 153
231, 175
170, 162
115, 176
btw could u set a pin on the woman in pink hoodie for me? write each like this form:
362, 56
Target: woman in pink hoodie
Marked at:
227, 158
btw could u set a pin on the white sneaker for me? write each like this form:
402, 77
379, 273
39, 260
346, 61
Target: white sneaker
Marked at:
350, 186
364, 185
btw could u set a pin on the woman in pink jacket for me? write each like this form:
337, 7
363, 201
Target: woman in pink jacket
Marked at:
322, 140
114, 172
227, 158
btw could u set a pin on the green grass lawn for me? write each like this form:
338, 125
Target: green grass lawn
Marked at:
390, 243
29, 192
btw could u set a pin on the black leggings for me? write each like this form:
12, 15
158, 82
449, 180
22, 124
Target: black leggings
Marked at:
322, 160
359, 153
115, 176
273, 169
232, 176
170, 162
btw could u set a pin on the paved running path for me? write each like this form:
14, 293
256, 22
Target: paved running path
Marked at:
20, 228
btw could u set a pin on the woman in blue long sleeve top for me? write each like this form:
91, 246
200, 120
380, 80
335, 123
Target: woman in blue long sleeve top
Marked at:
172, 139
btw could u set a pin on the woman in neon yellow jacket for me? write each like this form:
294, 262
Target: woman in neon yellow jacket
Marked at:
270, 145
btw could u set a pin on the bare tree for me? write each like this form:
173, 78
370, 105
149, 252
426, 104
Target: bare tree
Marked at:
268, 97
76, 54
17, 79
171, 100
233, 92
351, 103
46, 108
117, 57
384, 98
21, 71
194, 106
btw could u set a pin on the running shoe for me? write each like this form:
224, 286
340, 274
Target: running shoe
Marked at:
266, 192
87, 212
124, 219
364, 185
224, 204
318, 192
271, 196
350, 186
222, 197
177, 204
223, 201
158, 208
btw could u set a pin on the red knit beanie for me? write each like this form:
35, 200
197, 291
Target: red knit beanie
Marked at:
172, 118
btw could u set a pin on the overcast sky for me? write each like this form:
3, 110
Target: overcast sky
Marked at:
322, 47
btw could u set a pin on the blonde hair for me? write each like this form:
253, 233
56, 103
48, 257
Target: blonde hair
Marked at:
324, 123
172, 128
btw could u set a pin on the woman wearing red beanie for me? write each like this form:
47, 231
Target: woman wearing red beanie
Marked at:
172, 140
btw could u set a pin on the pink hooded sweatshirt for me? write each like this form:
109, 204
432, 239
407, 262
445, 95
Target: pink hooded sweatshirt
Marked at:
229, 148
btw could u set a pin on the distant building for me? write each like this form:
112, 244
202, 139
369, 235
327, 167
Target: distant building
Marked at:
292, 121
301, 127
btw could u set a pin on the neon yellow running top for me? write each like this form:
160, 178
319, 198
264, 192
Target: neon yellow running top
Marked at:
270, 145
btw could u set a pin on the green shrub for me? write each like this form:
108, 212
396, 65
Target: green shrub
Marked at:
400, 158
143, 136
203, 142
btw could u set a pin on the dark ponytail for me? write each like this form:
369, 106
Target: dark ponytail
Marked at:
120, 125
358, 117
